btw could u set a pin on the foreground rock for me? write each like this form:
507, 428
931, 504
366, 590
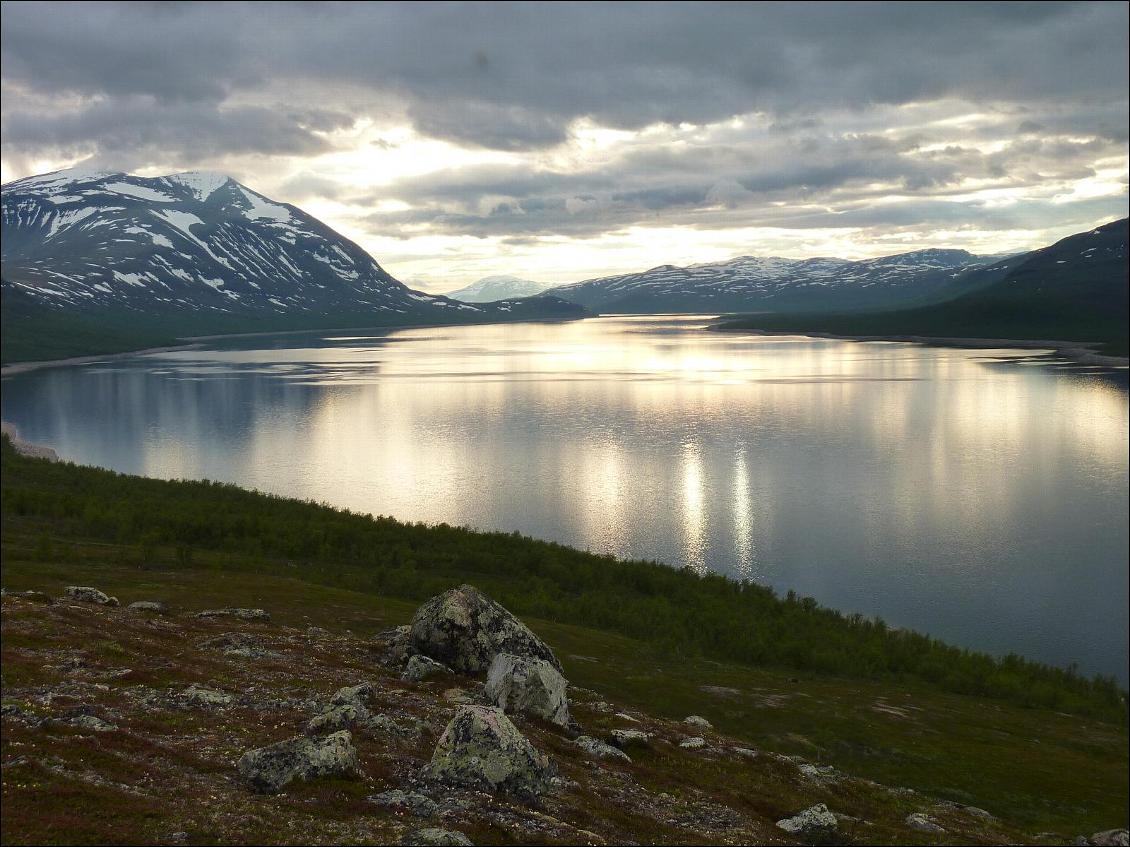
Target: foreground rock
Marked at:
87, 594
518, 685
420, 668
815, 822
464, 629
481, 748
270, 769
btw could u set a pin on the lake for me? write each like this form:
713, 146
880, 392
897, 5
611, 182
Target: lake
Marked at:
976, 495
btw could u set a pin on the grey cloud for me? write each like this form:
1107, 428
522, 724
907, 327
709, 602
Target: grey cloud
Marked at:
135, 131
512, 76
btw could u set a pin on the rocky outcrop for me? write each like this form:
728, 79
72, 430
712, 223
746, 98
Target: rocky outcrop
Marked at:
464, 629
270, 769
420, 668
481, 748
814, 823
694, 743
519, 685
87, 594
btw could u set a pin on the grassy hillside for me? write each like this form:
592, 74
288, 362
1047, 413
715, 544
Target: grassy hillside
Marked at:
687, 614
1038, 770
1074, 290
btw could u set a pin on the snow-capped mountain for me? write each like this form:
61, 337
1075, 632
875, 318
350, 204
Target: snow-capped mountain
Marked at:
750, 283
204, 244
491, 288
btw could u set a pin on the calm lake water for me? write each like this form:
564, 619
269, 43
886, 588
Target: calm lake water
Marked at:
979, 496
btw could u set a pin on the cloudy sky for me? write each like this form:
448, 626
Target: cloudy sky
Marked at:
564, 141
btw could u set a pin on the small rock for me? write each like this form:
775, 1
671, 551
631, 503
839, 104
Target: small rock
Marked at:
695, 743
719, 691
395, 644
154, 606
465, 629
241, 614
1110, 838
698, 722
270, 769
410, 801
87, 594
202, 697
528, 686
629, 737
92, 723
458, 696
922, 823
595, 748
481, 748
33, 596
978, 813
358, 695
337, 718
745, 752
421, 667
624, 716
813, 823
435, 837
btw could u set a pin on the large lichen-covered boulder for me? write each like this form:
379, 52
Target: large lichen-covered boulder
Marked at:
464, 629
482, 749
270, 769
517, 684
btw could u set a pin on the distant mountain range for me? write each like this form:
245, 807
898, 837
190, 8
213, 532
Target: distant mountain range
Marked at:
1073, 290
491, 288
195, 253
749, 283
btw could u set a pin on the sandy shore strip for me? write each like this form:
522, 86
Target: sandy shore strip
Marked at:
24, 367
26, 448
1075, 351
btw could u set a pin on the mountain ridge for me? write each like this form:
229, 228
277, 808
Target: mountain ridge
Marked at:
773, 283
197, 252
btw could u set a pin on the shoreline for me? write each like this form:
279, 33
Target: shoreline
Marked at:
1076, 351
194, 342
23, 367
